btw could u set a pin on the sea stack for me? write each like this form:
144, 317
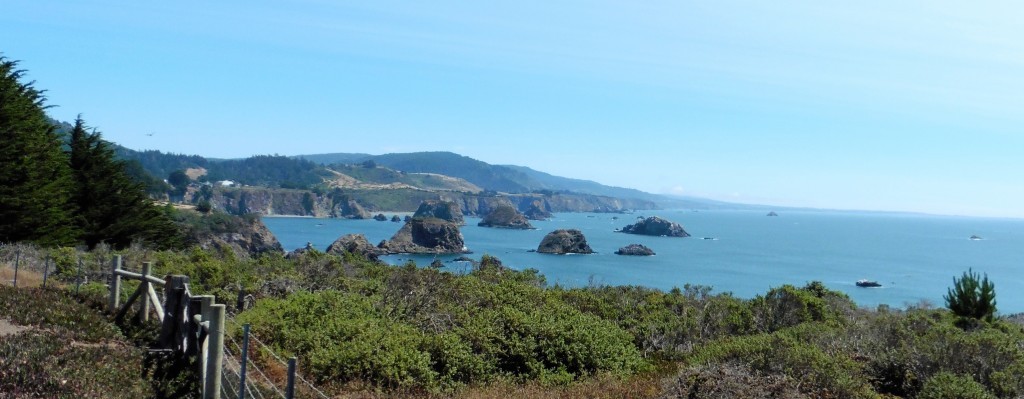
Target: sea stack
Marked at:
656, 226
434, 229
564, 241
635, 250
505, 216
356, 244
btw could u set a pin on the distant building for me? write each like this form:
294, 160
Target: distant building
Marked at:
226, 183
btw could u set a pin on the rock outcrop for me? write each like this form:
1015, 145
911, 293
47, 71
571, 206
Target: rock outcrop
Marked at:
537, 211
426, 235
635, 250
564, 241
396, 219
354, 243
444, 210
245, 235
380, 217
505, 216
772, 213
656, 226
349, 209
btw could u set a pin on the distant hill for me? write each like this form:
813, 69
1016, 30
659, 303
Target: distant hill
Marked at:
509, 178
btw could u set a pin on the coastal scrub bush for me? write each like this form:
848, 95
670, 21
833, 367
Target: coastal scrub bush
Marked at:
788, 306
972, 296
785, 353
952, 386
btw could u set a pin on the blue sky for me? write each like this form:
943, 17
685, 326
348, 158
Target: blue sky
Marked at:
878, 105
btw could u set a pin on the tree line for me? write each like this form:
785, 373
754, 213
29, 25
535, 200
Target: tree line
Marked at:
69, 190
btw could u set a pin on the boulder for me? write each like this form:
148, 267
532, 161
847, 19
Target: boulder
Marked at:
380, 217
396, 219
354, 243
426, 236
655, 226
505, 216
772, 213
444, 210
635, 250
564, 241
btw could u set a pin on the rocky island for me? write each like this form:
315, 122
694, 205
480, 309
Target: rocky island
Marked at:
564, 241
635, 250
434, 229
505, 216
656, 226
356, 244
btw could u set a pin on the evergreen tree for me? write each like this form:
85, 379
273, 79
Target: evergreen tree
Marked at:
34, 178
112, 207
972, 296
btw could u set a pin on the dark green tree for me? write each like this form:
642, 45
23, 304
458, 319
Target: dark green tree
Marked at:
112, 207
179, 182
972, 296
34, 177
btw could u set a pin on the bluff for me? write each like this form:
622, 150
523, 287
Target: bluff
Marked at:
244, 235
444, 210
272, 201
564, 241
505, 216
656, 226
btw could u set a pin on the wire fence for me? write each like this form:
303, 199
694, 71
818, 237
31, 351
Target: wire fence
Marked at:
306, 386
25, 265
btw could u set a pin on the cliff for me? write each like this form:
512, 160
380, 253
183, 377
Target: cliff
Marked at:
244, 235
358, 204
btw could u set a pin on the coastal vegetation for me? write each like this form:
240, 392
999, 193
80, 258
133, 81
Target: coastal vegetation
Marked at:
397, 331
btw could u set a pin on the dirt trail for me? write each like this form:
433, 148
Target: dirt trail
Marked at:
8, 328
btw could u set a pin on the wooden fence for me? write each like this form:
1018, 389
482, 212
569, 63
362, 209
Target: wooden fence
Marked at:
191, 325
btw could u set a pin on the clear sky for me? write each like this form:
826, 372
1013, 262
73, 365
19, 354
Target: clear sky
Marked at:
878, 105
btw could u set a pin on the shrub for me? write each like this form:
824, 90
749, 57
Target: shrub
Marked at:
972, 296
952, 386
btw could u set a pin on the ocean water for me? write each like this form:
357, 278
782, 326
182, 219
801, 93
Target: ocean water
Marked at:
915, 257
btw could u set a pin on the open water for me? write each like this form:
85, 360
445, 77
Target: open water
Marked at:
915, 257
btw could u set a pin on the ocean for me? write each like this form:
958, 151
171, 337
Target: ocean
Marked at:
914, 257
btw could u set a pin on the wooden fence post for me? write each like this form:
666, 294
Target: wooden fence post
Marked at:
147, 267
245, 361
115, 284
215, 352
289, 390
78, 278
46, 270
17, 262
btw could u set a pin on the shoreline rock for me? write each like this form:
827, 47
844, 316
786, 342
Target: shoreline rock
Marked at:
507, 217
354, 243
564, 241
635, 250
655, 226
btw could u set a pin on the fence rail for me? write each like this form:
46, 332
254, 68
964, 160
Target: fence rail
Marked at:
191, 326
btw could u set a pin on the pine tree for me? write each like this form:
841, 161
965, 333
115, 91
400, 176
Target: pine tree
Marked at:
972, 296
34, 178
112, 207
